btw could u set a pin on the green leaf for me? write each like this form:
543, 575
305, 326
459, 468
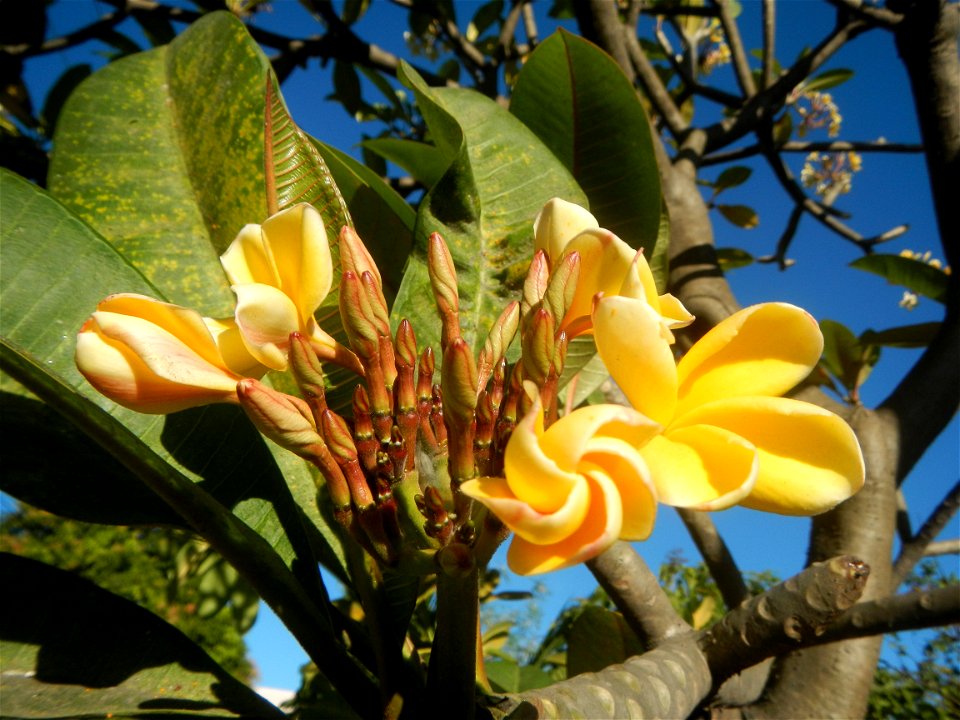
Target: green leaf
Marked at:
58, 94
740, 215
731, 177
906, 336
162, 153
915, 275
91, 484
425, 163
828, 79
733, 258
508, 676
846, 357
353, 10
579, 103
484, 205
71, 649
216, 447
346, 85
587, 654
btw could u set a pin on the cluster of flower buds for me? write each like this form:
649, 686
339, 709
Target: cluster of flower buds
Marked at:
393, 470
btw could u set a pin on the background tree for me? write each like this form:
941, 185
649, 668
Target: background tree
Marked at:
667, 51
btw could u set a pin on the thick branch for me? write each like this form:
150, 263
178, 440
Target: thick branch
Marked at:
717, 556
635, 590
910, 611
769, 33
789, 615
453, 662
913, 550
737, 52
878, 15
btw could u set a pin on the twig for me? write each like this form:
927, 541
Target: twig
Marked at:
656, 91
717, 556
635, 590
530, 25
509, 28
769, 13
913, 549
808, 147
943, 547
872, 13
681, 68
738, 54
903, 518
783, 244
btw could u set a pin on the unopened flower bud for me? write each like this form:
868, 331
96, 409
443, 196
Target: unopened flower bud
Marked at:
499, 339
354, 255
443, 280
538, 346
338, 437
357, 316
285, 419
305, 366
535, 284
378, 304
563, 285
459, 378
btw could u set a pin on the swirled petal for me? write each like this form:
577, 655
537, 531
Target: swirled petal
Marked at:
604, 261
627, 334
623, 464
557, 223
809, 458
266, 317
600, 528
569, 438
534, 477
299, 245
760, 350
537, 528
249, 260
701, 467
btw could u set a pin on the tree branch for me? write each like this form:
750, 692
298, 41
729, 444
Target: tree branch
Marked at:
635, 590
769, 15
909, 611
717, 556
787, 616
808, 147
738, 54
914, 549
877, 15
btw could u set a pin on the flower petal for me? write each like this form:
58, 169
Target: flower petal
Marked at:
249, 260
537, 528
145, 368
809, 458
571, 436
605, 260
623, 464
701, 467
233, 350
557, 223
761, 350
533, 476
600, 528
266, 317
299, 245
627, 334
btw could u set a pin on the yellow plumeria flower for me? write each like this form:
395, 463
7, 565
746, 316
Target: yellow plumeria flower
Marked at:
569, 492
607, 265
728, 436
280, 272
155, 357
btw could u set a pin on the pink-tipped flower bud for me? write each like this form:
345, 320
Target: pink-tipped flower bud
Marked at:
357, 316
355, 257
305, 366
538, 346
285, 419
497, 342
563, 285
535, 284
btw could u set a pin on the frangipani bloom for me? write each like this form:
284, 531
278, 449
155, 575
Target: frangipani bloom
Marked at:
728, 436
607, 265
280, 271
155, 357
572, 490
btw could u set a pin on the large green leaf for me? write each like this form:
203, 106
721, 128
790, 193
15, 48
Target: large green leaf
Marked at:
216, 446
72, 649
916, 275
162, 153
500, 175
581, 105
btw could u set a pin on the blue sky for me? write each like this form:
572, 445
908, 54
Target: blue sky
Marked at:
890, 190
